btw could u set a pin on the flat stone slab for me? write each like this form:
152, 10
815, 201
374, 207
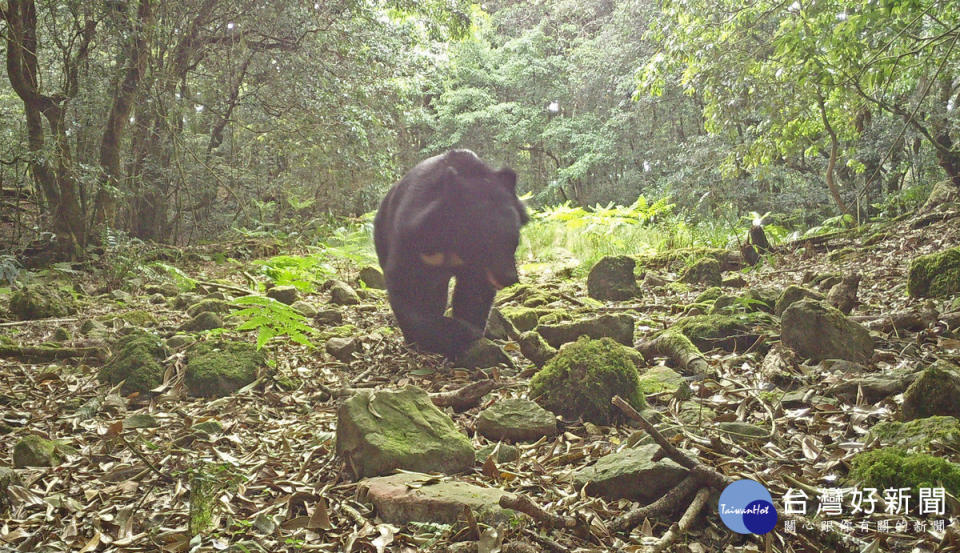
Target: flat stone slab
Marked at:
632, 473
414, 497
516, 420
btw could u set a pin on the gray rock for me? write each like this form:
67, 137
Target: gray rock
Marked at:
329, 316
791, 295
342, 294
378, 432
342, 349
372, 278
632, 473
306, 309
743, 432
499, 327
516, 420
817, 332
483, 354
284, 294
535, 348
612, 279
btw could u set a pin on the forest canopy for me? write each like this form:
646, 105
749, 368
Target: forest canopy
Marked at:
179, 122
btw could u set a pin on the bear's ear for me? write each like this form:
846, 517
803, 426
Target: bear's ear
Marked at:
508, 179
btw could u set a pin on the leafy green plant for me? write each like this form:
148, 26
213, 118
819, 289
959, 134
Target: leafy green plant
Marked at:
271, 318
181, 279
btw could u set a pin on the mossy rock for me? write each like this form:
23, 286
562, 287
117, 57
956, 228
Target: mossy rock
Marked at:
34, 451
612, 279
209, 306
677, 258
727, 332
924, 435
892, 467
936, 275
535, 348
205, 320
371, 277
138, 317
761, 299
660, 379
817, 332
705, 271
61, 334
526, 295
584, 376
709, 295
41, 302
793, 294
523, 318
136, 362
220, 368
936, 391
618, 327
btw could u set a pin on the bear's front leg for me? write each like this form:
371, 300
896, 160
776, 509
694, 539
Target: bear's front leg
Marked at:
420, 315
472, 298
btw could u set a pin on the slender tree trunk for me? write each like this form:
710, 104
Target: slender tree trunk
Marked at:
832, 162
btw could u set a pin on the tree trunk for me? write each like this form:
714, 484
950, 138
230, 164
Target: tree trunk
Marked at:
53, 172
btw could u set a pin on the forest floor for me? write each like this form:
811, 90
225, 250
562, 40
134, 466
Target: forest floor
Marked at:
133, 464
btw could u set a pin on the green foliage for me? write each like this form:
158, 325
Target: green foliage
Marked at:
207, 482
563, 234
183, 282
832, 224
271, 318
893, 468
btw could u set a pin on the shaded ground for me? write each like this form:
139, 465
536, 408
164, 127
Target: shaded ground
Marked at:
275, 483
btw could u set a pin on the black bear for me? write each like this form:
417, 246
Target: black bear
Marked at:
450, 216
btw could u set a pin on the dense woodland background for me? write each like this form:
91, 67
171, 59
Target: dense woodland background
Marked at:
191, 315
189, 121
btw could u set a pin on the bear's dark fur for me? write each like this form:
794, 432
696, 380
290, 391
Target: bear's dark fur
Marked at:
450, 216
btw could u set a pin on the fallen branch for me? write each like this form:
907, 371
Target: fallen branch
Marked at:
523, 504
237, 289
681, 527
674, 345
464, 398
44, 354
55, 320
666, 504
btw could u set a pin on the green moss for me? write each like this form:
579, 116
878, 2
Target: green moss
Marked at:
523, 318
211, 305
675, 259
342, 331
703, 271
660, 379
216, 369
34, 451
135, 362
138, 317
935, 275
709, 295
583, 378
892, 467
709, 331
922, 435
40, 302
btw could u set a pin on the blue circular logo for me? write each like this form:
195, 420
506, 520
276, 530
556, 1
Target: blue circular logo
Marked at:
746, 507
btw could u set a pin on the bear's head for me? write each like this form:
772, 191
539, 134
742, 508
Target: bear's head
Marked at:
477, 209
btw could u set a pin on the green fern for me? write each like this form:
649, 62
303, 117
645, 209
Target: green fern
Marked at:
271, 318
